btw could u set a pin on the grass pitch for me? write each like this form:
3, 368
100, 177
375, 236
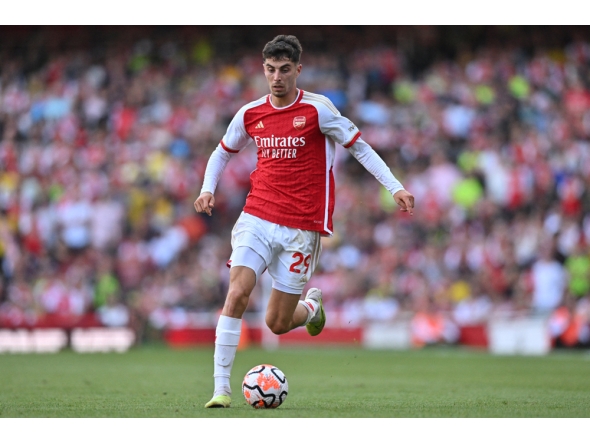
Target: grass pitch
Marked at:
158, 382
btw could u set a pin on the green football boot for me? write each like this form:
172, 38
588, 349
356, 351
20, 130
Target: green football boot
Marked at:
219, 402
314, 328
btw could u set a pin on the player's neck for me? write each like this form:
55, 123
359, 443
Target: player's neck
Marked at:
281, 102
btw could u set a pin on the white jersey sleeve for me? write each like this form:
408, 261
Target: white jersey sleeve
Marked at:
375, 165
340, 129
215, 167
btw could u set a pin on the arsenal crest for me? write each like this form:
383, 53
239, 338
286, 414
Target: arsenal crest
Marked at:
299, 122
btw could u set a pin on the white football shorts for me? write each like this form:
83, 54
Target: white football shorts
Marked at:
289, 254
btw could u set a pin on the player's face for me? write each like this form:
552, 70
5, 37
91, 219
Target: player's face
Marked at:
281, 76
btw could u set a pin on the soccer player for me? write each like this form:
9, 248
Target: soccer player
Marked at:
290, 203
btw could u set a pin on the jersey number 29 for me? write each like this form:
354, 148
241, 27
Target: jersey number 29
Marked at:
300, 259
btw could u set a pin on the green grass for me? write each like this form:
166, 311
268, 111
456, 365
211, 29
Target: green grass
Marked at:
157, 382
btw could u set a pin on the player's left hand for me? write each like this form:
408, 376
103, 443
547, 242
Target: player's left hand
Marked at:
405, 200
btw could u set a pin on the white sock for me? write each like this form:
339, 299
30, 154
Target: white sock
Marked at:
312, 308
227, 338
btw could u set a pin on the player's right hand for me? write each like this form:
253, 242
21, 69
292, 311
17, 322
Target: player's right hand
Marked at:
405, 200
204, 203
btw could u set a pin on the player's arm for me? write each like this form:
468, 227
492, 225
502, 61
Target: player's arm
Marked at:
233, 142
374, 164
346, 133
215, 167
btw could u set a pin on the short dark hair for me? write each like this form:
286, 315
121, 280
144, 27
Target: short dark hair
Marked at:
283, 47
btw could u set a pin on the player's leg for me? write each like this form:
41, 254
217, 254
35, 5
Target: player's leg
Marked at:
227, 334
286, 311
296, 259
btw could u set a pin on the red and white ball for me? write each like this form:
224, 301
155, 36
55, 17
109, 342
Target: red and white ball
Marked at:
265, 387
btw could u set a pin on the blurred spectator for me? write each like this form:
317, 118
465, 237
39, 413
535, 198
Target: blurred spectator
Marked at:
114, 313
107, 287
577, 266
548, 281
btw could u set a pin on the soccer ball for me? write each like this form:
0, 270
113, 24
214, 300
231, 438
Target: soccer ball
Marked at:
265, 387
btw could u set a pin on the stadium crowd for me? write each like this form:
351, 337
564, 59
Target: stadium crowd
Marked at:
102, 156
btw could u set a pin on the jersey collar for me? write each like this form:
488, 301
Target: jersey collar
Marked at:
297, 100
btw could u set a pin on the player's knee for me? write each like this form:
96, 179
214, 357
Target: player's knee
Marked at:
277, 326
236, 302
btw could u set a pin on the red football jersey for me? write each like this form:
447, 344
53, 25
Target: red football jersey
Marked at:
293, 183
